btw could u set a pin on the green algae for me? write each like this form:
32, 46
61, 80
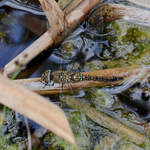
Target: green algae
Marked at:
130, 45
102, 99
123, 145
5, 143
82, 135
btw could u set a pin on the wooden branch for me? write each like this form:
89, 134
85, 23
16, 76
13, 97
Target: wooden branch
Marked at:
112, 12
72, 20
106, 121
144, 3
111, 77
35, 107
54, 15
73, 4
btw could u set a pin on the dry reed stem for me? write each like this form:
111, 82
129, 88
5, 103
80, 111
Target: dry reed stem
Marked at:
72, 20
144, 3
112, 12
106, 121
35, 107
123, 74
54, 15
73, 4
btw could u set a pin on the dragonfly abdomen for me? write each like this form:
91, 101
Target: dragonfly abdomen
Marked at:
73, 77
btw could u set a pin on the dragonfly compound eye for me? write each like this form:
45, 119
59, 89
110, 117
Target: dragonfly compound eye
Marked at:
46, 77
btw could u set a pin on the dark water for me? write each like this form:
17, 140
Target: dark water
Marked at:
16, 32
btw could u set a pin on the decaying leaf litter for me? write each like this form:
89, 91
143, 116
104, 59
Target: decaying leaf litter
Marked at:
136, 42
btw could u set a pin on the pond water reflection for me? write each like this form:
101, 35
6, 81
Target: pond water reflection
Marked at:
16, 32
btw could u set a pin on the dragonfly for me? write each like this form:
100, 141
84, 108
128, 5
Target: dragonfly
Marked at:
67, 77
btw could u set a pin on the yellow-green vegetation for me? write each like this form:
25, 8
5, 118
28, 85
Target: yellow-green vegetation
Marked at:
5, 144
102, 99
67, 48
94, 65
123, 145
2, 36
82, 131
129, 45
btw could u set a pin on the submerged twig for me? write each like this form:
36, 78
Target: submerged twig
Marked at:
110, 77
50, 38
112, 12
28, 134
106, 121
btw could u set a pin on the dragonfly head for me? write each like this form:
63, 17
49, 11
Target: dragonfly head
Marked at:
46, 77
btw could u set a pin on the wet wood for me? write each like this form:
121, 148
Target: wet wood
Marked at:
124, 74
54, 15
106, 121
112, 12
50, 38
74, 3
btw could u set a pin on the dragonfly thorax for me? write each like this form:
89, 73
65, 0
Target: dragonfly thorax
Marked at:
46, 77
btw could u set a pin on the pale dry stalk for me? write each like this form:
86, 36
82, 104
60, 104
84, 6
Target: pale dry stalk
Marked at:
54, 15
35, 107
112, 12
144, 3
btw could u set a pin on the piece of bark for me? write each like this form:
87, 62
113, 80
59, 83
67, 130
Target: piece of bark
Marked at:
72, 20
35, 107
112, 12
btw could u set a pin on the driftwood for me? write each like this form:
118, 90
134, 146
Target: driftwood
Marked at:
106, 121
72, 20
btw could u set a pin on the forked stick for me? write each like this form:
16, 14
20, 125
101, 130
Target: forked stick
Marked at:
50, 38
